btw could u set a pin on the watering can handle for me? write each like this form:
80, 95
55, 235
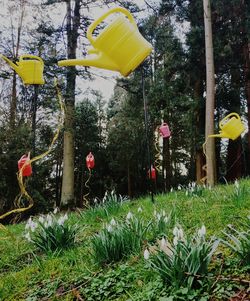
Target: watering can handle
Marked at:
98, 21
30, 56
226, 117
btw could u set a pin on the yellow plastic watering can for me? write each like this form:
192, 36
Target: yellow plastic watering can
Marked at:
29, 68
231, 127
118, 47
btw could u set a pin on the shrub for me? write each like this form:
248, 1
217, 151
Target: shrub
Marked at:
180, 262
118, 240
239, 241
51, 233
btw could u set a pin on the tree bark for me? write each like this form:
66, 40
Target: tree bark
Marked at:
73, 23
210, 95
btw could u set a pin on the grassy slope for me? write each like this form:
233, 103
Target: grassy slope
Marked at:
27, 275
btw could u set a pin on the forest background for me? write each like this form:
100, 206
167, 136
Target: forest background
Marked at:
174, 78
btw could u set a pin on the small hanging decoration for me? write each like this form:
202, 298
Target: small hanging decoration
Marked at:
164, 130
90, 161
152, 173
231, 127
29, 68
24, 165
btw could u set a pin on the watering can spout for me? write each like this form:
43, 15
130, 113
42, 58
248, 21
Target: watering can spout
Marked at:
94, 59
12, 65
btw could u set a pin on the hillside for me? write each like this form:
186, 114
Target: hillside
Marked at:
83, 271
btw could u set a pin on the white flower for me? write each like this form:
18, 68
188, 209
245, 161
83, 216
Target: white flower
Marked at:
158, 216
186, 193
33, 226
175, 231
179, 187
236, 184
29, 222
171, 190
95, 200
27, 236
166, 219
175, 241
109, 228
155, 212
163, 243
60, 221
202, 231
48, 222
146, 254
163, 212
41, 219
180, 234
55, 210
139, 209
113, 222
129, 216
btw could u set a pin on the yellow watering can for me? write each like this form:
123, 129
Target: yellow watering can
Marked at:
231, 127
118, 47
29, 68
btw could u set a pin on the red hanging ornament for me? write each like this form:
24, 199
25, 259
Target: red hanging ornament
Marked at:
152, 174
90, 161
27, 170
164, 130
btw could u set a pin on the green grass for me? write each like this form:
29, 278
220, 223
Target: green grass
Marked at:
27, 274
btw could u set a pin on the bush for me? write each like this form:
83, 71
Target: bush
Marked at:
239, 241
118, 240
179, 263
50, 233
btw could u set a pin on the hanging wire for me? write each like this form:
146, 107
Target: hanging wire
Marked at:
85, 199
204, 167
21, 183
158, 152
146, 130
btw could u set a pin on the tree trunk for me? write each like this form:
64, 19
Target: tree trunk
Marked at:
73, 23
129, 183
210, 92
235, 166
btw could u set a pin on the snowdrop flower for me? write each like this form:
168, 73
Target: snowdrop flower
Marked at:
29, 222
179, 187
109, 228
175, 231
139, 209
41, 219
163, 213
113, 222
48, 221
95, 200
171, 190
180, 234
236, 184
55, 210
33, 226
129, 216
62, 219
175, 241
163, 243
158, 216
186, 193
155, 212
166, 219
27, 236
146, 254
202, 231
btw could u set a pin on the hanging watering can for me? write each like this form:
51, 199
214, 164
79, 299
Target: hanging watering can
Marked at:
152, 173
164, 130
29, 68
231, 127
90, 161
118, 47
27, 170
